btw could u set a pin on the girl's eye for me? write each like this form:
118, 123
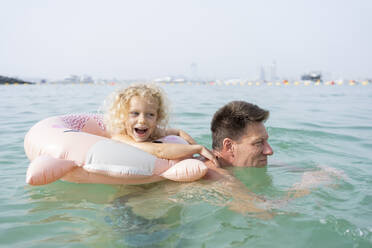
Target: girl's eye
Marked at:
133, 113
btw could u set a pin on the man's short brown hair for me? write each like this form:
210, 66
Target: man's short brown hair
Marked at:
231, 120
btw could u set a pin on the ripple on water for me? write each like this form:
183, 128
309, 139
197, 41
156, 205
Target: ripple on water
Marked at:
346, 229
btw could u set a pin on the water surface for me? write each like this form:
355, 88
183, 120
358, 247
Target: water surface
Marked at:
310, 128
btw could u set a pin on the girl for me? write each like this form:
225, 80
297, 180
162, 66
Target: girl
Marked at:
138, 116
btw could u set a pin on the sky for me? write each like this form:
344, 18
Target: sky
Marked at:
151, 39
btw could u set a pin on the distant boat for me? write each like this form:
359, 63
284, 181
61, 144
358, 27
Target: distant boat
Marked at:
312, 76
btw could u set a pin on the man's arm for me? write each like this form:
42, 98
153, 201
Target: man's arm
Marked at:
241, 199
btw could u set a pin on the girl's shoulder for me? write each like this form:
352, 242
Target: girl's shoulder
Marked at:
158, 133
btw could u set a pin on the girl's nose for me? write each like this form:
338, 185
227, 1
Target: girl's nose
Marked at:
141, 118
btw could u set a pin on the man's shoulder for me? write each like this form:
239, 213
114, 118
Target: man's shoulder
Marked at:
216, 174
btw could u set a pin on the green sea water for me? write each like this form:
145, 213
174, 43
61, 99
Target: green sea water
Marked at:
311, 129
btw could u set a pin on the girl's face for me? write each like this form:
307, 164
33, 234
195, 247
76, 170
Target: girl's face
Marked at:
142, 118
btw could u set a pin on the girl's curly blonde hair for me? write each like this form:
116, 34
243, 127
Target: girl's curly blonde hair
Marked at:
117, 104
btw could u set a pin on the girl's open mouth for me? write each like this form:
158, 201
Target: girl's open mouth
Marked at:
140, 131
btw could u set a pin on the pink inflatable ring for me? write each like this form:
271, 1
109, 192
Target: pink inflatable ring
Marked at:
76, 148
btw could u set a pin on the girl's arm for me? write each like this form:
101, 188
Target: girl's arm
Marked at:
182, 134
169, 151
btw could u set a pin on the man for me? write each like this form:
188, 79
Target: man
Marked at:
239, 137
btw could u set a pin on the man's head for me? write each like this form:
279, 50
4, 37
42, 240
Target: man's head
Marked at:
239, 135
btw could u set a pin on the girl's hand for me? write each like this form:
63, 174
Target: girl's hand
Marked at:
205, 152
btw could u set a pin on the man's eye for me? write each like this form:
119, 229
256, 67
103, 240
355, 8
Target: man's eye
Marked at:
150, 115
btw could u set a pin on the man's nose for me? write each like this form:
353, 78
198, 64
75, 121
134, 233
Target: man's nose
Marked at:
267, 149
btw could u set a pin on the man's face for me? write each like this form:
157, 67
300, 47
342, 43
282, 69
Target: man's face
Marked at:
252, 148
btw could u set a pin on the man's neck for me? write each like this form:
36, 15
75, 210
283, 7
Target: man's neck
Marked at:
221, 160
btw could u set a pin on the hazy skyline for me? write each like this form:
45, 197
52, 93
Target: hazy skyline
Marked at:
149, 39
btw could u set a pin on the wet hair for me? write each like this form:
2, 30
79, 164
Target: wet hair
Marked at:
116, 106
231, 120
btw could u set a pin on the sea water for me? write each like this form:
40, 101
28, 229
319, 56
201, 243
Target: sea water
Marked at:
322, 141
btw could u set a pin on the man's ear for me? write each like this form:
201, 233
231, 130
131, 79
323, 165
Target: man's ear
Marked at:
228, 145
